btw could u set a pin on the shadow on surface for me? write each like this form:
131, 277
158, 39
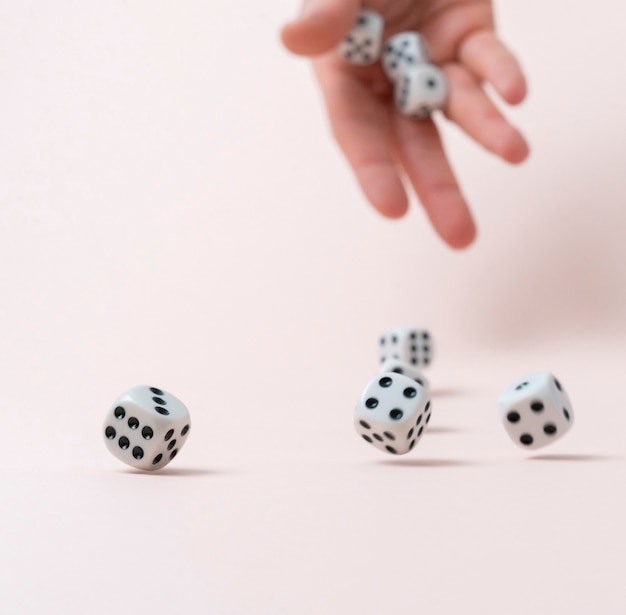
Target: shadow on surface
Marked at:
571, 458
425, 463
590, 284
443, 393
177, 472
444, 430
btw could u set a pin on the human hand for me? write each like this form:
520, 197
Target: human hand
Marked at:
382, 145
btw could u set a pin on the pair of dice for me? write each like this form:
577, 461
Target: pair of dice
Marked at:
395, 407
146, 427
420, 87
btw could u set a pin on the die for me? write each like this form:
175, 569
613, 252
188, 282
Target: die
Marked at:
402, 52
392, 413
362, 45
420, 91
536, 410
397, 366
146, 427
413, 346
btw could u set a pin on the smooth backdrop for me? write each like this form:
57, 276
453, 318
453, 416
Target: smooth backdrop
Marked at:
173, 212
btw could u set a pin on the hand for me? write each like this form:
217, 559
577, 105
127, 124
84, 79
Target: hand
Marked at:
380, 144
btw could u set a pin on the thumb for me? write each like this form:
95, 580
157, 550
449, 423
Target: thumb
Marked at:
321, 26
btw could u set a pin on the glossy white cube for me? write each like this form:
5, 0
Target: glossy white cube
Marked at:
420, 91
535, 411
402, 52
411, 345
392, 413
146, 427
362, 45
398, 366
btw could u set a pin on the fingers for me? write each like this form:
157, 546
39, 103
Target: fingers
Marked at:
491, 61
470, 108
320, 27
360, 124
421, 152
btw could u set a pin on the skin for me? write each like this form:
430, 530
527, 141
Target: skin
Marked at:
383, 147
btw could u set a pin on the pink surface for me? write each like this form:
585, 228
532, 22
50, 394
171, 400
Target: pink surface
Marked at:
173, 212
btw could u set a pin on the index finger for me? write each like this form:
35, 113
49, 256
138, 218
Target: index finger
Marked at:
361, 125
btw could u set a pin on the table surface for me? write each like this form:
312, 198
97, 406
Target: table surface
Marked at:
299, 515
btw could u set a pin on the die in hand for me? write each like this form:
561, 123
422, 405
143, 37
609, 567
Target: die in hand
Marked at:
146, 427
535, 411
392, 413
420, 91
362, 45
403, 52
420, 87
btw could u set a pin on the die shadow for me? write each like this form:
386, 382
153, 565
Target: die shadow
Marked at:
572, 458
425, 463
445, 430
178, 472
443, 393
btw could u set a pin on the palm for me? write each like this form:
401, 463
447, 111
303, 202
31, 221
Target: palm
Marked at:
378, 141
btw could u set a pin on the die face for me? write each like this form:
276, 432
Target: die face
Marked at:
535, 410
398, 366
420, 91
392, 413
159, 402
362, 45
410, 345
146, 427
403, 52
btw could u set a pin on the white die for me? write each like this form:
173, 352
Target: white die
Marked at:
413, 346
536, 410
420, 91
398, 366
362, 45
146, 427
402, 52
392, 413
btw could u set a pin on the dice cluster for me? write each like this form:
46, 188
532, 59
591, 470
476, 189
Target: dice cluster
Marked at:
395, 407
146, 427
420, 87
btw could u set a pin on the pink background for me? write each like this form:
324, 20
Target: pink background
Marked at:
174, 212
